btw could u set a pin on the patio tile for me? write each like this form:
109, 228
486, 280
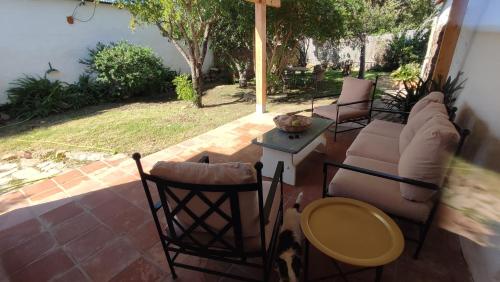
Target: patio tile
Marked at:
18, 234
17, 257
145, 236
51, 265
38, 187
111, 208
68, 176
85, 187
74, 275
89, 243
93, 167
61, 214
111, 260
74, 227
96, 198
139, 270
157, 255
73, 183
47, 193
12, 200
128, 220
15, 217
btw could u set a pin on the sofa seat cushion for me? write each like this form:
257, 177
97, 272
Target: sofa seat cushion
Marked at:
382, 193
212, 174
384, 128
376, 147
250, 244
345, 112
416, 122
427, 157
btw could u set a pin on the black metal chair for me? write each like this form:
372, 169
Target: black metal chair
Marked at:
226, 244
423, 227
359, 111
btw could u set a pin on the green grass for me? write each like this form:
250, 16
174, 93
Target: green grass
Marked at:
146, 126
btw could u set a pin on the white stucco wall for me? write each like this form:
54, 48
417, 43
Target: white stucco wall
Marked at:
35, 32
478, 55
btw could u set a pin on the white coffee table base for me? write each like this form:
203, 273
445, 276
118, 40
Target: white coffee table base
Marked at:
270, 158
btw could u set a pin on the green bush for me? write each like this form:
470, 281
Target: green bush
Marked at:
32, 96
85, 91
128, 70
408, 72
184, 88
405, 49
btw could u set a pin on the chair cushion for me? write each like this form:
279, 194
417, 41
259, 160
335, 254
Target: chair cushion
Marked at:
346, 112
433, 97
428, 156
375, 147
414, 124
354, 90
250, 244
380, 192
384, 128
209, 174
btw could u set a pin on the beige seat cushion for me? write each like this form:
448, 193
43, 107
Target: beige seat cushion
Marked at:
433, 97
250, 244
415, 123
222, 174
346, 112
375, 147
380, 192
355, 90
428, 156
384, 128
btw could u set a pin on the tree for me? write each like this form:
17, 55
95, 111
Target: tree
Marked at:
233, 37
187, 24
367, 17
297, 20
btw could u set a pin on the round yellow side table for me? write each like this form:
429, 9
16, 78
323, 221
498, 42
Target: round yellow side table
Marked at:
351, 232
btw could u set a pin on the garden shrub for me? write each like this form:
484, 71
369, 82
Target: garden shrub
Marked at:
404, 49
408, 72
32, 96
184, 88
128, 70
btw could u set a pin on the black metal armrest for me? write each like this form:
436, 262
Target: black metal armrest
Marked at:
204, 159
277, 179
352, 103
419, 183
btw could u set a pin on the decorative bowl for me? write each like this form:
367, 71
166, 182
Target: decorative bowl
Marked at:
292, 123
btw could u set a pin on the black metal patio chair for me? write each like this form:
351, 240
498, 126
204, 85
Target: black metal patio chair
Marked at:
212, 220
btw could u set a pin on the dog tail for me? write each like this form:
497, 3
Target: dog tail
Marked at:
298, 201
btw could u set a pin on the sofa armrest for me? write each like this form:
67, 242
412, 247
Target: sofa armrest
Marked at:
277, 179
419, 183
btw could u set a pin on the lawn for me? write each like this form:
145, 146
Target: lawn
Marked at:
147, 126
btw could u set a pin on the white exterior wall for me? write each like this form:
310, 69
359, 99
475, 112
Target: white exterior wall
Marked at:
478, 55
35, 32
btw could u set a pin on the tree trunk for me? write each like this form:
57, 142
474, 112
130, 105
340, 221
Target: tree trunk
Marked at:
362, 58
242, 74
197, 79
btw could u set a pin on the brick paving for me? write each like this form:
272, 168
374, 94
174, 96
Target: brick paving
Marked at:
93, 223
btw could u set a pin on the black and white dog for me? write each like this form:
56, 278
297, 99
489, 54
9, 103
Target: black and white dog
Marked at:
289, 251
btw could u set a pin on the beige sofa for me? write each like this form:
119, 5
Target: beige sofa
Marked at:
399, 168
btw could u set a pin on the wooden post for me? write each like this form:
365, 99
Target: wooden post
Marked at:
450, 38
260, 56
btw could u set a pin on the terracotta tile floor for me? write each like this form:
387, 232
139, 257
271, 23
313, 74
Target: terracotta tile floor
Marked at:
93, 223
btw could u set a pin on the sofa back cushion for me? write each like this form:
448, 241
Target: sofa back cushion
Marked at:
416, 122
355, 90
433, 97
428, 156
212, 174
